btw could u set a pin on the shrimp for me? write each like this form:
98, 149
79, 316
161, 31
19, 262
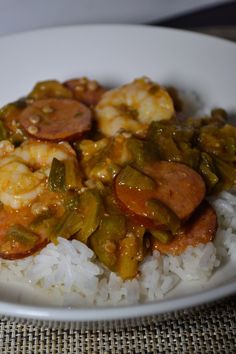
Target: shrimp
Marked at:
6, 147
40, 154
24, 171
133, 107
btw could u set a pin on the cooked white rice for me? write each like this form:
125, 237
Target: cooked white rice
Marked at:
70, 275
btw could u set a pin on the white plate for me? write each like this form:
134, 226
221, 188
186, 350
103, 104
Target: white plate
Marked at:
114, 55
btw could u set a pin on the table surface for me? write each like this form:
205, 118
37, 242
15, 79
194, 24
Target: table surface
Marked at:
28, 14
212, 330
208, 330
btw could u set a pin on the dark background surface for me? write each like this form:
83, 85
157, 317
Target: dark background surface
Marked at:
221, 15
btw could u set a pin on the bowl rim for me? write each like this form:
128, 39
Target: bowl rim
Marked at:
110, 313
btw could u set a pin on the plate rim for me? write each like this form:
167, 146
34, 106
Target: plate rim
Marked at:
117, 26
111, 313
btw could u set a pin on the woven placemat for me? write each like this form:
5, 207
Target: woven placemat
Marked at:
212, 330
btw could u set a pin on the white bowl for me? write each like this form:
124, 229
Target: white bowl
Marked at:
115, 55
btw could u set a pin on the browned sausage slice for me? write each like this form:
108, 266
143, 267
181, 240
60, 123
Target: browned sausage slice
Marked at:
86, 91
19, 251
56, 119
201, 228
179, 187
14, 246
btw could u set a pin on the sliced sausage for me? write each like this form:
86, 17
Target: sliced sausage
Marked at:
133, 204
56, 119
178, 187
86, 91
12, 247
201, 228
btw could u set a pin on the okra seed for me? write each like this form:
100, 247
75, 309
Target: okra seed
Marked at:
47, 109
79, 88
92, 86
34, 119
110, 246
33, 129
83, 80
38, 208
29, 100
146, 79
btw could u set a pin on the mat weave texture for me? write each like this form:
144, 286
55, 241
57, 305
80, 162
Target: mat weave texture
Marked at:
212, 330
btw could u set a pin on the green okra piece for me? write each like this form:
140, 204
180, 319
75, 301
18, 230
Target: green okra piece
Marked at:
132, 178
161, 235
22, 235
56, 179
163, 215
70, 223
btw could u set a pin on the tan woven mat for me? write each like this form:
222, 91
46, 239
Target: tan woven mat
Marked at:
212, 330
